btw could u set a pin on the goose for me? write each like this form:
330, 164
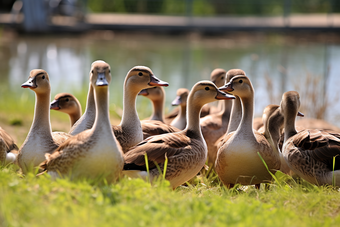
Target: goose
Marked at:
8, 148
129, 131
180, 121
309, 153
237, 159
157, 97
156, 125
186, 150
94, 153
69, 104
40, 139
215, 125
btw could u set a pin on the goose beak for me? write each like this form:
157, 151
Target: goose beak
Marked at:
154, 81
221, 95
300, 114
101, 80
143, 92
228, 87
30, 83
177, 101
54, 105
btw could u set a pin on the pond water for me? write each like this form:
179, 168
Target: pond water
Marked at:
306, 62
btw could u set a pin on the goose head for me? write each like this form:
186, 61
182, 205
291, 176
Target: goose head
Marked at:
218, 77
141, 77
182, 96
100, 74
239, 85
65, 102
205, 91
154, 94
38, 81
290, 104
234, 72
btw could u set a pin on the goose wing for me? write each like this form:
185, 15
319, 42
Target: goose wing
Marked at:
157, 148
322, 146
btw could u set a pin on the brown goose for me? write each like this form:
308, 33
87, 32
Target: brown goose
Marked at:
93, 153
156, 125
309, 153
237, 160
40, 139
186, 150
69, 104
157, 97
8, 149
129, 131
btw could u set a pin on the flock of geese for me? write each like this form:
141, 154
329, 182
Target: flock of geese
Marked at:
226, 136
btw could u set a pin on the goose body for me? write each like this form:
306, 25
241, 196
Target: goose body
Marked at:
40, 139
93, 153
186, 150
69, 104
309, 153
237, 159
8, 149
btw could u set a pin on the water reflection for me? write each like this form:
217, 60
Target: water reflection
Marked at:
274, 63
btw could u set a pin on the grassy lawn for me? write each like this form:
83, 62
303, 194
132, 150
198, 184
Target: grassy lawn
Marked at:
32, 201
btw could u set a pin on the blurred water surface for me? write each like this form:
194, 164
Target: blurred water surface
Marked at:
275, 63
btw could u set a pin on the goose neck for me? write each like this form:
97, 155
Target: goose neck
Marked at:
273, 130
102, 120
41, 120
236, 115
130, 115
227, 105
193, 115
157, 110
289, 125
246, 124
90, 103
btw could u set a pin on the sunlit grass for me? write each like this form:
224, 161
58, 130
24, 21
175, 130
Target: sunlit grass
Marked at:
32, 201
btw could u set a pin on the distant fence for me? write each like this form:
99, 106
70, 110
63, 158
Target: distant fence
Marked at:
38, 13
215, 7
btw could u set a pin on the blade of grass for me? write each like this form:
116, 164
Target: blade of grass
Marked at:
276, 180
147, 167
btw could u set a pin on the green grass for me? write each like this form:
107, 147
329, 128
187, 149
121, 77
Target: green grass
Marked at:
32, 201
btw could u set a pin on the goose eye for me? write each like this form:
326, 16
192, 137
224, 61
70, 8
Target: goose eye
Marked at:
43, 77
207, 88
67, 100
109, 71
240, 81
140, 74
222, 77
